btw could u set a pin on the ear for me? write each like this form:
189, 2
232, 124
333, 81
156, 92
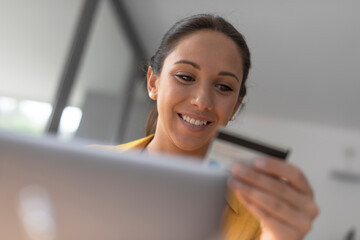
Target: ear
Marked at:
152, 83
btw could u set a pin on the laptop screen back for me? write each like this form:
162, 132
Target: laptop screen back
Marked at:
52, 190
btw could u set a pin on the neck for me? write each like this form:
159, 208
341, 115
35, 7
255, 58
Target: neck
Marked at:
156, 145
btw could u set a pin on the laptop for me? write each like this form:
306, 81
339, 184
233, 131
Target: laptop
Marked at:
52, 190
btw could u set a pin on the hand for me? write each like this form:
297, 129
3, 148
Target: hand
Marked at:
278, 194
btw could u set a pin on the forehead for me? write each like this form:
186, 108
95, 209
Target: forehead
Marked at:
208, 49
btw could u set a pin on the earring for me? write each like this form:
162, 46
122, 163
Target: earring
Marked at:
152, 95
232, 118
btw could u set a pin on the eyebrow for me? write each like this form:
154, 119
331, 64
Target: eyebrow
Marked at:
188, 62
222, 73
229, 74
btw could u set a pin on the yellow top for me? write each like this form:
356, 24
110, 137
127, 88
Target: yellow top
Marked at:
238, 222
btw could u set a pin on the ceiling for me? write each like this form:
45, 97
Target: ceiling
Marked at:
305, 53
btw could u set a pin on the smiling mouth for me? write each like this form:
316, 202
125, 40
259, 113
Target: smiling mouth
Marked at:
193, 121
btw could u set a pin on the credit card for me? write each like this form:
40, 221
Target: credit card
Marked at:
229, 147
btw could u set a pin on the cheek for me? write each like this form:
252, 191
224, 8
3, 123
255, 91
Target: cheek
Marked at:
225, 110
172, 92
169, 95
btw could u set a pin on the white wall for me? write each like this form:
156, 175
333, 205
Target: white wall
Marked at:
317, 149
108, 58
34, 40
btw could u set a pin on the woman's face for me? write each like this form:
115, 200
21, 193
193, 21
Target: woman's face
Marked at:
197, 90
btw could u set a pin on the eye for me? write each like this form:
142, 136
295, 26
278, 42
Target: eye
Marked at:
184, 77
224, 88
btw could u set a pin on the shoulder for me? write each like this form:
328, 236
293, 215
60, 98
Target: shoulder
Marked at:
137, 144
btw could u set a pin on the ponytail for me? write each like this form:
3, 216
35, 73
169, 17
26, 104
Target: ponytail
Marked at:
151, 121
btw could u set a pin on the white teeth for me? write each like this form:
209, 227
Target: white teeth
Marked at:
194, 121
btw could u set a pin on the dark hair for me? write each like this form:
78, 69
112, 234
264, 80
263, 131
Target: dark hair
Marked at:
185, 27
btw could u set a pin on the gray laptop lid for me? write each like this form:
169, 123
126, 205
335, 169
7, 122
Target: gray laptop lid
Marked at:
51, 190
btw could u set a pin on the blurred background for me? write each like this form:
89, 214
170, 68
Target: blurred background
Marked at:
74, 68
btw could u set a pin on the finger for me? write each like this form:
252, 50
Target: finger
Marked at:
273, 206
272, 185
272, 228
281, 169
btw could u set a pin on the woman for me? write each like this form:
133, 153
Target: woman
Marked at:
198, 76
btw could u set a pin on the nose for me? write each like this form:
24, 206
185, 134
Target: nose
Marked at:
202, 99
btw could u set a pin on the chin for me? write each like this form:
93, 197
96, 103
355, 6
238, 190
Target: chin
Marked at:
190, 146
